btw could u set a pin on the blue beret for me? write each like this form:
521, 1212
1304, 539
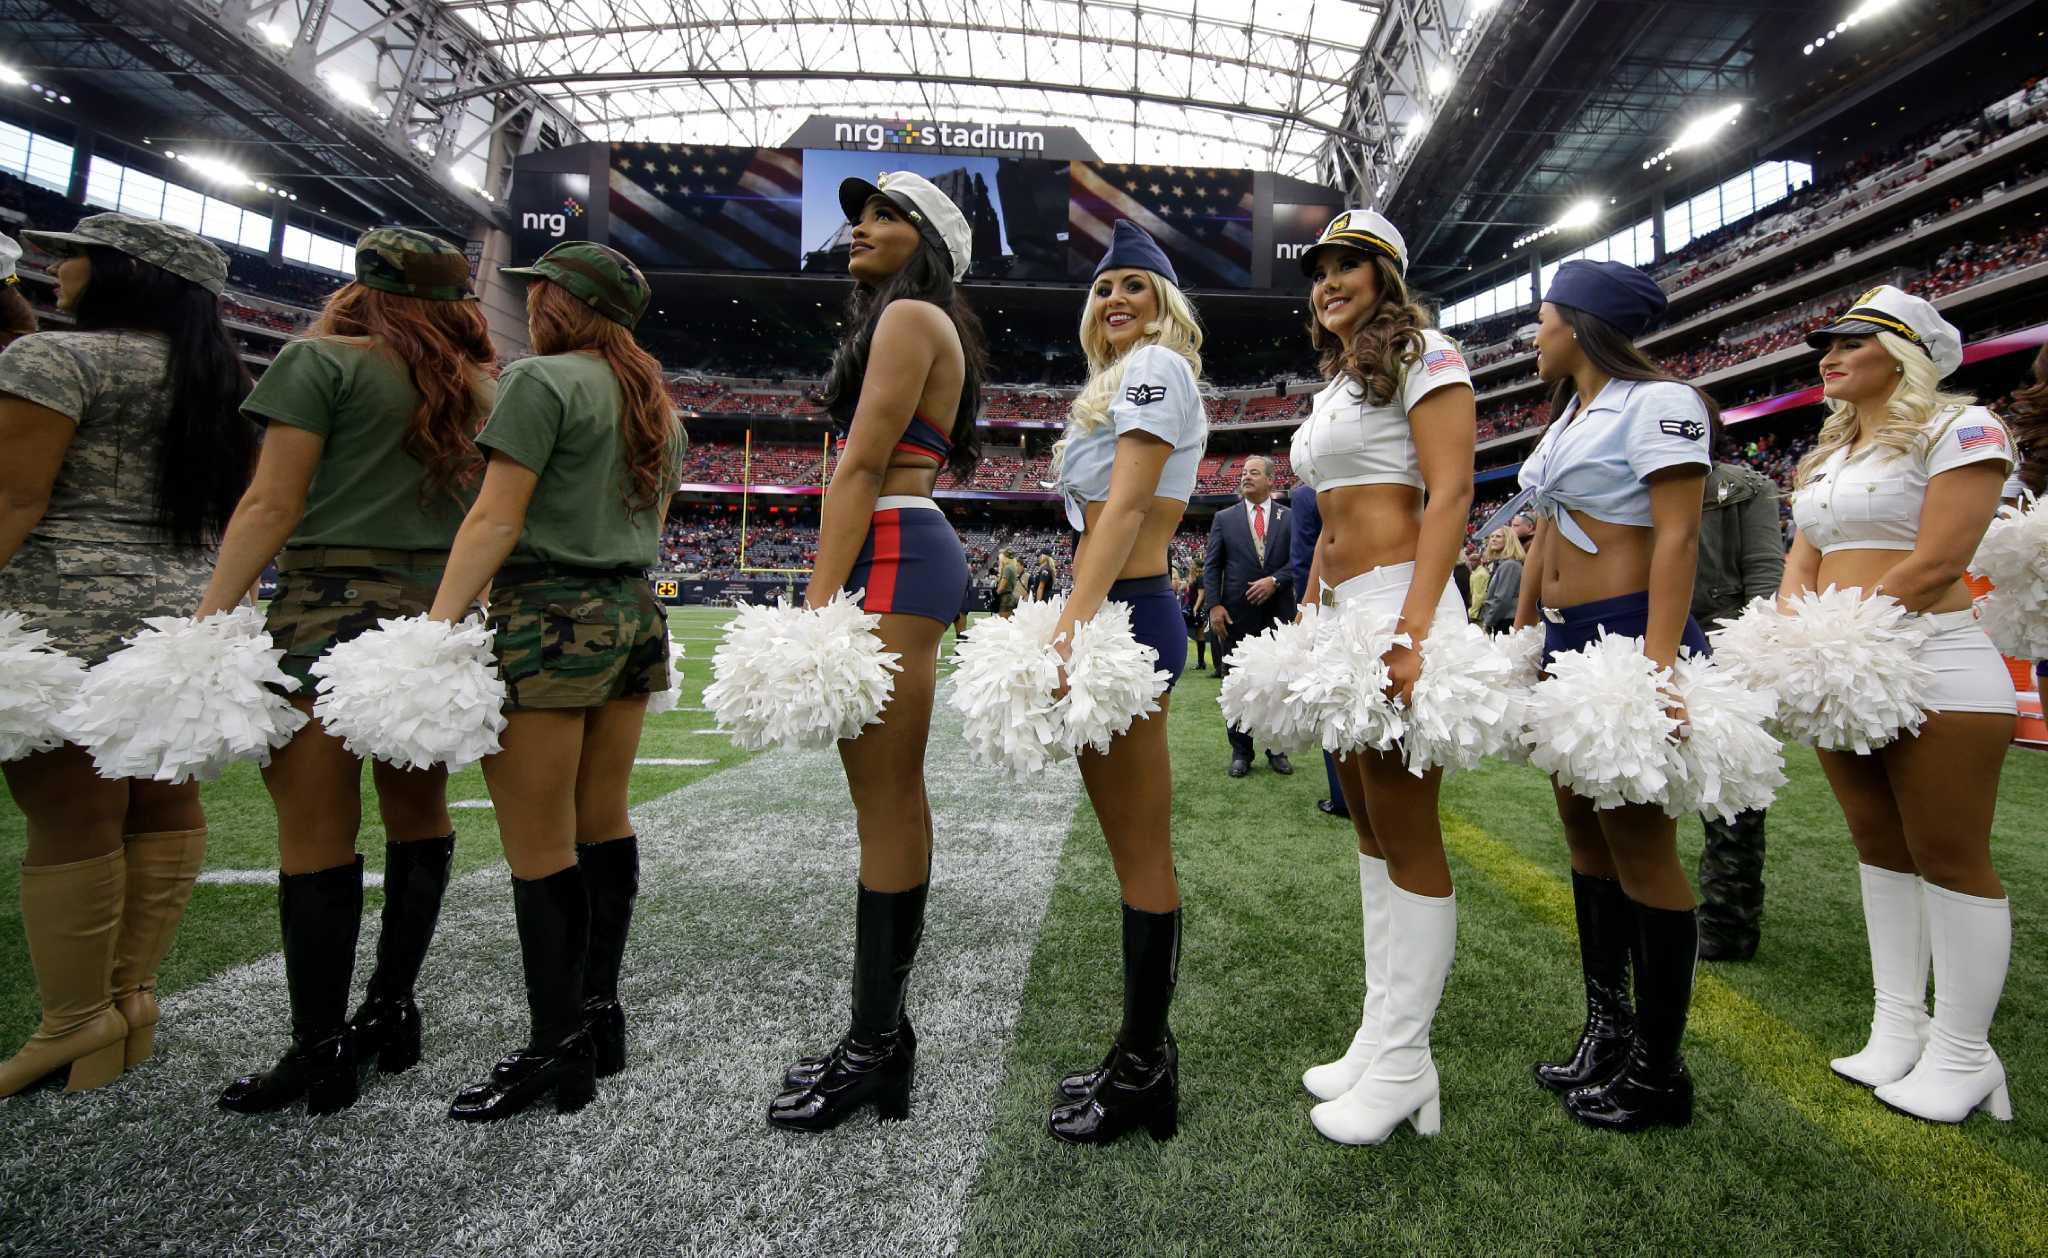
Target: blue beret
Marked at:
1613, 292
1131, 245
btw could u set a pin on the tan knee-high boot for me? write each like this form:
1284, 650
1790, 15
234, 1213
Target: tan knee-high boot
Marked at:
71, 914
162, 865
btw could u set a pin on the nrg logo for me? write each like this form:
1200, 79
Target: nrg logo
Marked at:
553, 224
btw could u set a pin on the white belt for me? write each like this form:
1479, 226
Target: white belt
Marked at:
904, 502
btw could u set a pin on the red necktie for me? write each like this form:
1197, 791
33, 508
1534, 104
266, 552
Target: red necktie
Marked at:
1259, 523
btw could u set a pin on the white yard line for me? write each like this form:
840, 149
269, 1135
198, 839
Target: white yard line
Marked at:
672, 760
739, 962
264, 878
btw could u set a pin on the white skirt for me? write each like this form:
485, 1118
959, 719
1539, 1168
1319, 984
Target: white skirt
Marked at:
1969, 673
1386, 587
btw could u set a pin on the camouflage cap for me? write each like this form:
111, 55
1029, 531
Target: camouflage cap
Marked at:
412, 264
598, 276
176, 250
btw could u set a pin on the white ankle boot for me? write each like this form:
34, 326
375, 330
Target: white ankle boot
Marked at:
1895, 920
1401, 1082
1333, 1079
1959, 1074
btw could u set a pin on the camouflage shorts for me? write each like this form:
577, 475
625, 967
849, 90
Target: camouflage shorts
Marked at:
567, 639
319, 605
90, 597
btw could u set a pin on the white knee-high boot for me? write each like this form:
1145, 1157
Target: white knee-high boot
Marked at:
1958, 1074
1401, 1082
1895, 920
1333, 1079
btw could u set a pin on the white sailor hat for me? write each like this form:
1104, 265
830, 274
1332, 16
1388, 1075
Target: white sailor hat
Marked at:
1889, 309
930, 209
1364, 231
10, 253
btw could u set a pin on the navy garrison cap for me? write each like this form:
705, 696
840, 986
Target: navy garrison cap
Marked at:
1131, 245
1613, 292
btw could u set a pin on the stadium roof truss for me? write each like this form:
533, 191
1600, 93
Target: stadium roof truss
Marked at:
1264, 84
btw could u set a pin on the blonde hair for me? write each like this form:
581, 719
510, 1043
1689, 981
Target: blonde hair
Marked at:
1909, 412
1510, 546
1177, 328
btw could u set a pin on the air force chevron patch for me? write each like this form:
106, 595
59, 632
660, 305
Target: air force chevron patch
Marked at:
1145, 394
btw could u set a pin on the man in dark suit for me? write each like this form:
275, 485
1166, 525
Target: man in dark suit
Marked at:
1247, 582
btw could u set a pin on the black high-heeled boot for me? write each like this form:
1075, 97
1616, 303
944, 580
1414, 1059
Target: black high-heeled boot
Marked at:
1607, 935
319, 915
554, 940
611, 873
1139, 1083
386, 1026
876, 1059
1653, 1087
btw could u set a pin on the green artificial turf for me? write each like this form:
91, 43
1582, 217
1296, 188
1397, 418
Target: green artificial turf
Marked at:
1781, 1158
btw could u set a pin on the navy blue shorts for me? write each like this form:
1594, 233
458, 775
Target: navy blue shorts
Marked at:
1156, 620
911, 563
1627, 615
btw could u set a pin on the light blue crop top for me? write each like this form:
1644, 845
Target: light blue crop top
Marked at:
1159, 397
1597, 462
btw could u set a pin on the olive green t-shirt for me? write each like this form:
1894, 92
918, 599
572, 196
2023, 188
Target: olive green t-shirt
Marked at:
558, 416
367, 490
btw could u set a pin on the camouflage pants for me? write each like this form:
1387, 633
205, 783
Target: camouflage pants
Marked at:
320, 603
578, 639
90, 597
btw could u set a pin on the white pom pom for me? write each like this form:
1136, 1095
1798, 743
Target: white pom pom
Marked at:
1749, 649
1845, 669
2013, 628
1004, 673
1599, 724
1347, 688
666, 700
800, 677
36, 685
185, 699
1524, 651
1728, 762
2014, 555
1465, 704
1112, 680
414, 692
1259, 695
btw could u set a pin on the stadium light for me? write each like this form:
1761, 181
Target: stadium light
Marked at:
1861, 13
464, 179
349, 91
215, 169
274, 35
1440, 80
1699, 131
1582, 213
11, 76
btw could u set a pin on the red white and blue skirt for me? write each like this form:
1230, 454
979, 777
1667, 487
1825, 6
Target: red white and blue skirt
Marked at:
912, 563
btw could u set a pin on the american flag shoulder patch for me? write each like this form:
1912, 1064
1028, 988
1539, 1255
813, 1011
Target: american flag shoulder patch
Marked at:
1984, 436
1447, 359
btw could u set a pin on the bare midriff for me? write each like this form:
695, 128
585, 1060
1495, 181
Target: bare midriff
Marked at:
1571, 576
1148, 553
1865, 568
908, 476
1367, 527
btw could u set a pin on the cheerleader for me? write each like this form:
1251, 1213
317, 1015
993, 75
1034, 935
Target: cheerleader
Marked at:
904, 391
1617, 480
1126, 467
583, 450
369, 462
124, 453
1388, 448
1893, 499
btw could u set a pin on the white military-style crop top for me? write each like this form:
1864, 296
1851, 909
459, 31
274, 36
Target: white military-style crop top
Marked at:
1871, 500
1158, 397
1597, 461
1348, 441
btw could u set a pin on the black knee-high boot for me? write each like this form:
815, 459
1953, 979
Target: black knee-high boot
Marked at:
1653, 1087
611, 872
386, 1026
1607, 935
554, 940
877, 1057
320, 915
1138, 1083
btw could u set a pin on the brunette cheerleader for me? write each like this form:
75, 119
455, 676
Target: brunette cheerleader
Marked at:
1618, 478
1388, 448
1893, 500
904, 392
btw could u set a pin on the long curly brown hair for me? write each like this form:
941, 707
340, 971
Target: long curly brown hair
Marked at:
560, 324
446, 346
1389, 338
2030, 426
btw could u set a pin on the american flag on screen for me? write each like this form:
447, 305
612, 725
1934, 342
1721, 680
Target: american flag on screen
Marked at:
1976, 435
1202, 218
681, 205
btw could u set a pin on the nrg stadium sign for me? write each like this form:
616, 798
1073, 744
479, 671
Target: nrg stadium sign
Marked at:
982, 139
